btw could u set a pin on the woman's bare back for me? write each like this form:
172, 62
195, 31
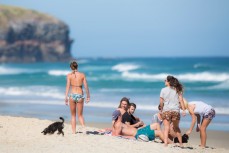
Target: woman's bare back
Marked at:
76, 82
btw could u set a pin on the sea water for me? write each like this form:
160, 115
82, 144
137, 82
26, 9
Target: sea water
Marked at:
38, 89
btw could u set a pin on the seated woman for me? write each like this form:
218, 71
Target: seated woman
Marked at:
129, 119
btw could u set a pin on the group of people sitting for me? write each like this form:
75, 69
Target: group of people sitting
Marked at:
165, 124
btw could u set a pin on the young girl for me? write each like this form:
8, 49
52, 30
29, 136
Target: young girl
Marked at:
198, 109
170, 100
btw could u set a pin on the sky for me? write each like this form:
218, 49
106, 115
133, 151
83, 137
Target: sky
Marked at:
141, 28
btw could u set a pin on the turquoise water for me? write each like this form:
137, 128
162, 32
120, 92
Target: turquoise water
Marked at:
109, 79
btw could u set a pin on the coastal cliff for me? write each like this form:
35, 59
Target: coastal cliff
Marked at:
29, 36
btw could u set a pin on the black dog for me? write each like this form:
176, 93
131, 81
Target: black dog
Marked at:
185, 138
55, 126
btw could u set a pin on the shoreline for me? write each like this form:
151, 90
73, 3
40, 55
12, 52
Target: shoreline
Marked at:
23, 134
99, 115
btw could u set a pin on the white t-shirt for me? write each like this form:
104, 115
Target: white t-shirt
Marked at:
200, 107
171, 99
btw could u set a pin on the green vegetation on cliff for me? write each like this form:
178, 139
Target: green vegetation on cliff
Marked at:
13, 14
30, 36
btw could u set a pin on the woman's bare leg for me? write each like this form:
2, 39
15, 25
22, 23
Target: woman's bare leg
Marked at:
177, 131
203, 134
73, 115
79, 106
166, 131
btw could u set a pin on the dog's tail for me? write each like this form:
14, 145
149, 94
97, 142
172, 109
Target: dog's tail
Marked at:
62, 119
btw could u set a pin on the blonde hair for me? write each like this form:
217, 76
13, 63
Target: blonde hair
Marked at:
185, 103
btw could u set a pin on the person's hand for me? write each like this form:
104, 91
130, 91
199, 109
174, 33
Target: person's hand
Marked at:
183, 113
188, 132
198, 128
66, 100
141, 123
87, 100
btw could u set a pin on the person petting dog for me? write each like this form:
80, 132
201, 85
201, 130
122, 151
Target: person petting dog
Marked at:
198, 109
76, 80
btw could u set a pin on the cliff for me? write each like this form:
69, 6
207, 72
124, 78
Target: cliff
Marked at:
30, 36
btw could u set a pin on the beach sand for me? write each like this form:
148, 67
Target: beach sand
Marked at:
22, 135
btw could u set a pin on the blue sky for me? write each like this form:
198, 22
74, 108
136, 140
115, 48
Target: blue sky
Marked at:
141, 28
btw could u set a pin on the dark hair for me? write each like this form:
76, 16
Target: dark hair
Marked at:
175, 83
74, 65
133, 104
124, 99
159, 107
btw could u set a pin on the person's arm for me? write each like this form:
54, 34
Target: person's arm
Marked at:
137, 119
191, 112
67, 89
161, 100
86, 88
182, 104
161, 103
136, 125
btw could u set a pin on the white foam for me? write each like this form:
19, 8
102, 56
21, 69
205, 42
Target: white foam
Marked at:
144, 76
204, 76
192, 77
39, 91
58, 72
222, 86
123, 67
201, 65
13, 71
115, 90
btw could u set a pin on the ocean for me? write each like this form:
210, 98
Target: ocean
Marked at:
38, 89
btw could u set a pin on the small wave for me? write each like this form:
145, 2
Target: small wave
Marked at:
203, 76
39, 91
222, 86
125, 67
58, 72
13, 71
115, 90
200, 65
144, 76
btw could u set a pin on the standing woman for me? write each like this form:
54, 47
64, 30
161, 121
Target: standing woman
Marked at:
170, 100
76, 80
198, 109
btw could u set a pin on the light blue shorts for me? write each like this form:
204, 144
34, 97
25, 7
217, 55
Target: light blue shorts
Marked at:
76, 97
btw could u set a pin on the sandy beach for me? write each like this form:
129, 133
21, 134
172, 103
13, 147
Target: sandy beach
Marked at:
21, 135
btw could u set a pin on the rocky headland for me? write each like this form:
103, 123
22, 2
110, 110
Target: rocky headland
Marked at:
29, 36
